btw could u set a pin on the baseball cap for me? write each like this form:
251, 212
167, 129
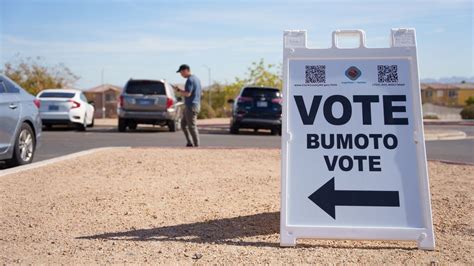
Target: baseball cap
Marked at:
182, 67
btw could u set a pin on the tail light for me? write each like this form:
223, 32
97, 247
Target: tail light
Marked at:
74, 104
277, 100
244, 99
37, 103
169, 103
120, 103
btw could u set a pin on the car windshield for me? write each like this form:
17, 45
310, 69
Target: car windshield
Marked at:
146, 87
261, 92
57, 95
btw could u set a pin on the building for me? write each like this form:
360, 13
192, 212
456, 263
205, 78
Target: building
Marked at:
105, 98
446, 94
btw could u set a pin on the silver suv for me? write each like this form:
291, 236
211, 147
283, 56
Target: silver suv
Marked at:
20, 123
149, 102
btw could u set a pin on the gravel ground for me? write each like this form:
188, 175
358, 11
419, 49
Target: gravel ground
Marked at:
195, 205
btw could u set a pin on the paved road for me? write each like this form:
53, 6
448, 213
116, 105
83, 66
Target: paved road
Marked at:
452, 150
59, 142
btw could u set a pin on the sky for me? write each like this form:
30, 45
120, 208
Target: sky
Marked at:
150, 39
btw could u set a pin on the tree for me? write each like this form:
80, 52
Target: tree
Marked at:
259, 74
470, 101
262, 74
34, 75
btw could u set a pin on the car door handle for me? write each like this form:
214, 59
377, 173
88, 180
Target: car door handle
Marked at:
13, 106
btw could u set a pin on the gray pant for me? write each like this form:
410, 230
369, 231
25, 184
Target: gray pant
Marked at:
188, 124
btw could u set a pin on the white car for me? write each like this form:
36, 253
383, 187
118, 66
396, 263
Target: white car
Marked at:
65, 107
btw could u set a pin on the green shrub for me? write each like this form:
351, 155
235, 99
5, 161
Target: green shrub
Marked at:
470, 101
206, 111
430, 117
468, 112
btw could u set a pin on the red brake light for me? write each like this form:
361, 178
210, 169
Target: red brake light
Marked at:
74, 104
277, 100
37, 103
120, 103
169, 103
244, 99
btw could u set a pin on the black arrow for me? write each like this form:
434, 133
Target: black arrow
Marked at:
327, 197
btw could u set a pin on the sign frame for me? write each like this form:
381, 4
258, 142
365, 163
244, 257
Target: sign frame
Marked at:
402, 46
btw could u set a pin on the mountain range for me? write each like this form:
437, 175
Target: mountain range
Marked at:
453, 79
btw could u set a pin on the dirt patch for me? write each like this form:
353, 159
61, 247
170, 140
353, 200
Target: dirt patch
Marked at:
204, 205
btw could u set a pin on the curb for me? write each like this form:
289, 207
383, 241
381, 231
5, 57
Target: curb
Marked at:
213, 125
22, 168
450, 135
206, 148
452, 162
449, 123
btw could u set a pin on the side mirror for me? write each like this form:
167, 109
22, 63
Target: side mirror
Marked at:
230, 101
92, 103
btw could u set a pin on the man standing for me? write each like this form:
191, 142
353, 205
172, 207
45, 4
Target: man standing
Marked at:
192, 105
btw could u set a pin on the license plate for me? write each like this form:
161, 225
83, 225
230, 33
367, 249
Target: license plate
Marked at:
262, 104
53, 108
145, 102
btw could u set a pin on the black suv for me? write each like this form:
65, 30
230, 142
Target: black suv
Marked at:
149, 102
257, 108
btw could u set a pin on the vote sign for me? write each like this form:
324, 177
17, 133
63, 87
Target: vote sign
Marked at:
353, 154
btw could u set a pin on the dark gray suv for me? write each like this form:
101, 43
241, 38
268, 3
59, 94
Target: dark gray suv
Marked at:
257, 108
149, 102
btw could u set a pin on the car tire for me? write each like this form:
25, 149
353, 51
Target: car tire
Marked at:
178, 124
172, 125
132, 125
122, 125
274, 131
92, 124
82, 127
25, 142
234, 129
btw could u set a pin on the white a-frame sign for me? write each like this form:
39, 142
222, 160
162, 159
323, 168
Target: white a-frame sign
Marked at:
353, 150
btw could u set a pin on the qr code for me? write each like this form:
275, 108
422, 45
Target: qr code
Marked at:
387, 73
315, 74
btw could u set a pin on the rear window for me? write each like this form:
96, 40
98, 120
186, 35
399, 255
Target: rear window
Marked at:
57, 95
261, 92
9, 87
146, 87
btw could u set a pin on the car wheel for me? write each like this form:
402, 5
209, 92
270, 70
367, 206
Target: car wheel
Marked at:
178, 124
172, 125
92, 124
25, 145
234, 129
82, 127
274, 131
132, 125
122, 125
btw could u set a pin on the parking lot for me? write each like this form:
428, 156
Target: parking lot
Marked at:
62, 141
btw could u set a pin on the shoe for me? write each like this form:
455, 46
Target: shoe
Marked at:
189, 145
